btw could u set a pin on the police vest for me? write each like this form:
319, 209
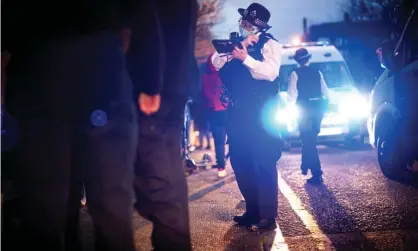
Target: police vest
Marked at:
243, 88
309, 83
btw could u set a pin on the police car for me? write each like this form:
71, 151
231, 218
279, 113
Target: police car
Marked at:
347, 112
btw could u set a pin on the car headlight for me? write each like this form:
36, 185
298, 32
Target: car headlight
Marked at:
354, 107
287, 114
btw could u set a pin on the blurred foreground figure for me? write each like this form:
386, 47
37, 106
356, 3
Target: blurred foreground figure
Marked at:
69, 89
308, 89
160, 183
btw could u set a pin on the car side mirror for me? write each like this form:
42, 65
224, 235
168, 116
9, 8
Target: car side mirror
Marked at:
389, 60
384, 58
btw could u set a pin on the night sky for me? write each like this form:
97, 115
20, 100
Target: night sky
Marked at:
286, 15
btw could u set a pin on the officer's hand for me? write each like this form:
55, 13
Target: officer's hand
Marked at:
149, 104
251, 40
240, 54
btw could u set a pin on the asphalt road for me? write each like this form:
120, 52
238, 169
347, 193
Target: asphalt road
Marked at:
357, 208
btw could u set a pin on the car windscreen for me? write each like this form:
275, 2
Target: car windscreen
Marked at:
335, 74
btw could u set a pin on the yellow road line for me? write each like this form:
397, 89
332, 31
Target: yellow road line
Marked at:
323, 242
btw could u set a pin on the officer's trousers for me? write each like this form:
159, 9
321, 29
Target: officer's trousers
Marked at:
254, 154
309, 128
160, 182
78, 124
217, 123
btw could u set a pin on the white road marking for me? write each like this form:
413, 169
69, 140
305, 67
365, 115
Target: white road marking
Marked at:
279, 243
324, 243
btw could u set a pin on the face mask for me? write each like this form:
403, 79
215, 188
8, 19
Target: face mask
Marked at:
244, 33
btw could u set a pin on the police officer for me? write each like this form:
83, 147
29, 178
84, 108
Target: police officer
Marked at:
249, 75
308, 89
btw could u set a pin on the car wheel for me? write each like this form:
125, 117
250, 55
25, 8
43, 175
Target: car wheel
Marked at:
386, 157
392, 164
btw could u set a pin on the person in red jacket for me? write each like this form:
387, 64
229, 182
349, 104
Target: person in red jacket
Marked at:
216, 112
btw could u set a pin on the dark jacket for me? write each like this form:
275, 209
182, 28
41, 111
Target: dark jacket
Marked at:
310, 97
23, 31
181, 74
212, 84
246, 116
146, 57
247, 92
309, 83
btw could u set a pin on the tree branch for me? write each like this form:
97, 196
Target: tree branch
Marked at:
209, 14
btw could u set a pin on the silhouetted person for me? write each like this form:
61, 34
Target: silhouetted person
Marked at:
160, 183
69, 89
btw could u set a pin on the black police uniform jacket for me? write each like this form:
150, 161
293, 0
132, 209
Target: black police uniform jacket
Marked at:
250, 97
